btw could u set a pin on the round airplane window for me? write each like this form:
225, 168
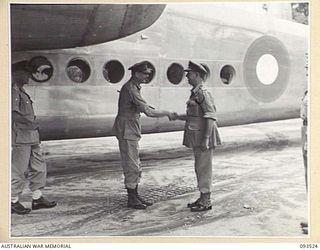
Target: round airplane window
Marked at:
227, 73
78, 70
42, 69
113, 71
175, 73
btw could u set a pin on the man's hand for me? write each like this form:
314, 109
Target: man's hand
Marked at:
205, 144
173, 116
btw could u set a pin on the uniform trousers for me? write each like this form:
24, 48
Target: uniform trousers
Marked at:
203, 168
304, 137
27, 164
130, 161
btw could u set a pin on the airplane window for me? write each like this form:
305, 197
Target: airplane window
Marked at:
175, 73
113, 71
42, 69
78, 70
227, 73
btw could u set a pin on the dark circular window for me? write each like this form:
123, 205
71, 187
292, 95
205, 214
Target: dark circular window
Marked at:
78, 70
42, 69
227, 73
113, 71
175, 73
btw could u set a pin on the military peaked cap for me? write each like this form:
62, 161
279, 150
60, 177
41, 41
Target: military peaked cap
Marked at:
22, 65
141, 67
198, 67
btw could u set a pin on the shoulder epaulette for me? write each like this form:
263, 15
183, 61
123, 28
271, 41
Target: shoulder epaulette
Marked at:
15, 87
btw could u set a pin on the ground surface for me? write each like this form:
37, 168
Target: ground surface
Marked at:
259, 187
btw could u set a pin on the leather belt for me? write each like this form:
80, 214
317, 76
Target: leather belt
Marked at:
194, 118
129, 115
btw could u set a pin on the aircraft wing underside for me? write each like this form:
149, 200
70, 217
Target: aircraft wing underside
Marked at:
42, 26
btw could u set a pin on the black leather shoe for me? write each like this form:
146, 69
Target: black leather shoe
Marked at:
147, 203
133, 200
305, 230
193, 204
18, 208
304, 224
137, 206
42, 203
201, 208
143, 201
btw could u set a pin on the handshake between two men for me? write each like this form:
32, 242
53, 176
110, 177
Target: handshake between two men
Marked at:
173, 116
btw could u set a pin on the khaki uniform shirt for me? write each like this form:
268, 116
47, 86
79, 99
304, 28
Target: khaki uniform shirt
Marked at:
127, 124
22, 104
304, 117
304, 107
200, 107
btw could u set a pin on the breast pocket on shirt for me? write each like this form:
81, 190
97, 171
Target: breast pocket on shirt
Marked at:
192, 108
26, 107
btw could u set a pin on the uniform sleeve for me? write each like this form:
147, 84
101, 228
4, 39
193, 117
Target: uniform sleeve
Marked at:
206, 102
137, 100
304, 108
15, 100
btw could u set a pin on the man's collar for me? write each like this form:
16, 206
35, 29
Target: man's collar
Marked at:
136, 83
15, 86
196, 88
18, 87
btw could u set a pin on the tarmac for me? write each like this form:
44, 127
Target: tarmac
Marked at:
258, 188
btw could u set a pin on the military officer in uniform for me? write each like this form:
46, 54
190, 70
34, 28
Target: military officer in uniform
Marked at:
200, 132
28, 163
128, 130
304, 133
304, 140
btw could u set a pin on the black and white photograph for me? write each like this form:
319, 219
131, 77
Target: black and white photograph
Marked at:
159, 119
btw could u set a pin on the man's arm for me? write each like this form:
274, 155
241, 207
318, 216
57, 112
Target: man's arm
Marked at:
207, 133
15, 111
182, 117
159, 113
209, 110
17, 117
142, 106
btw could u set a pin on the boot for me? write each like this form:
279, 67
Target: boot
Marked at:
18, 208
147, 203
133, 201
304, 224
42, 203
193, 204
204, 203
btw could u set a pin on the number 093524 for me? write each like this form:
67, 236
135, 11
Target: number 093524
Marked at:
308, 246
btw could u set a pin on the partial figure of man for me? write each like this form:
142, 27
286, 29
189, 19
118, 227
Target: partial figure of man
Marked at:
28, 164
304, 140
200, 132
127, 127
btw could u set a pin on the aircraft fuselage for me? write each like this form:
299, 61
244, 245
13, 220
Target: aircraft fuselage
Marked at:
257, 72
